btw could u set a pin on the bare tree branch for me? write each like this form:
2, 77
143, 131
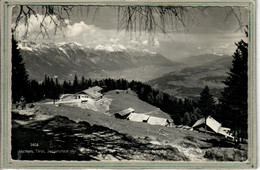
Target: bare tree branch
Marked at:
133, 19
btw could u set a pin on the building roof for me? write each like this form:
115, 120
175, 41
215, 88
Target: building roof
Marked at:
92, 91
138, 117
210, 122
157, 121
93, 94
96, 88
213, 124
126, 111
199, 122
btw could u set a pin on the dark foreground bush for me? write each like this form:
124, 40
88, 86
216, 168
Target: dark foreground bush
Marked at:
226, 154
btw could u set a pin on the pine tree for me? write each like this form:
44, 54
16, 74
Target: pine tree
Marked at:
186, 119
83, 84
36, 92
57, 89
206, 103
20, 82
233, 107
75, 84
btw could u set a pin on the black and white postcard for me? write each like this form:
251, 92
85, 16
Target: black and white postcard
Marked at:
128, 84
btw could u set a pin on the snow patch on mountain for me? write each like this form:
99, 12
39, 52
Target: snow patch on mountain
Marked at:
110, 48
64, 46
63, 59
61, 43
22, 47
93, 60
78, 44
147, 51
64, 51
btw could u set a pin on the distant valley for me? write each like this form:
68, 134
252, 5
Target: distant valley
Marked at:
182, 79
199, 71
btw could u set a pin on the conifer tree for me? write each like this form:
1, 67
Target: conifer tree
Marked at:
35, 92
206, 103
83, 84
186, 119
233, 107
20, 82
57, 89
75, 84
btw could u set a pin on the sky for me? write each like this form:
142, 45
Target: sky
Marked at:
212, 33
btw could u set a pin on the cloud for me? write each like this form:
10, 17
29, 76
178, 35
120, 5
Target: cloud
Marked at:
34, 28
79, 29
88, 35
180, 45
113, 40
145, 42
110, 40
151, 42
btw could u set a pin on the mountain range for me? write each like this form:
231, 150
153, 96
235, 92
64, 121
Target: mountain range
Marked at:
182, 79
67, 59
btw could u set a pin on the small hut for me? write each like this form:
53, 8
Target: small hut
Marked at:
213, 126
124, 113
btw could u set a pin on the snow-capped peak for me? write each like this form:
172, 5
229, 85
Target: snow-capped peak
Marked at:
78, 44
110, 48
61, 43
147, 51
24, 46
64, 46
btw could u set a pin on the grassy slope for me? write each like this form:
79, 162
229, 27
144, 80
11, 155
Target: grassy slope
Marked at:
157, 133
124, 100
187, 141
121, 101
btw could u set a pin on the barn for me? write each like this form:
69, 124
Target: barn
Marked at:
158, 121
152, 120
137, 117
212, 126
